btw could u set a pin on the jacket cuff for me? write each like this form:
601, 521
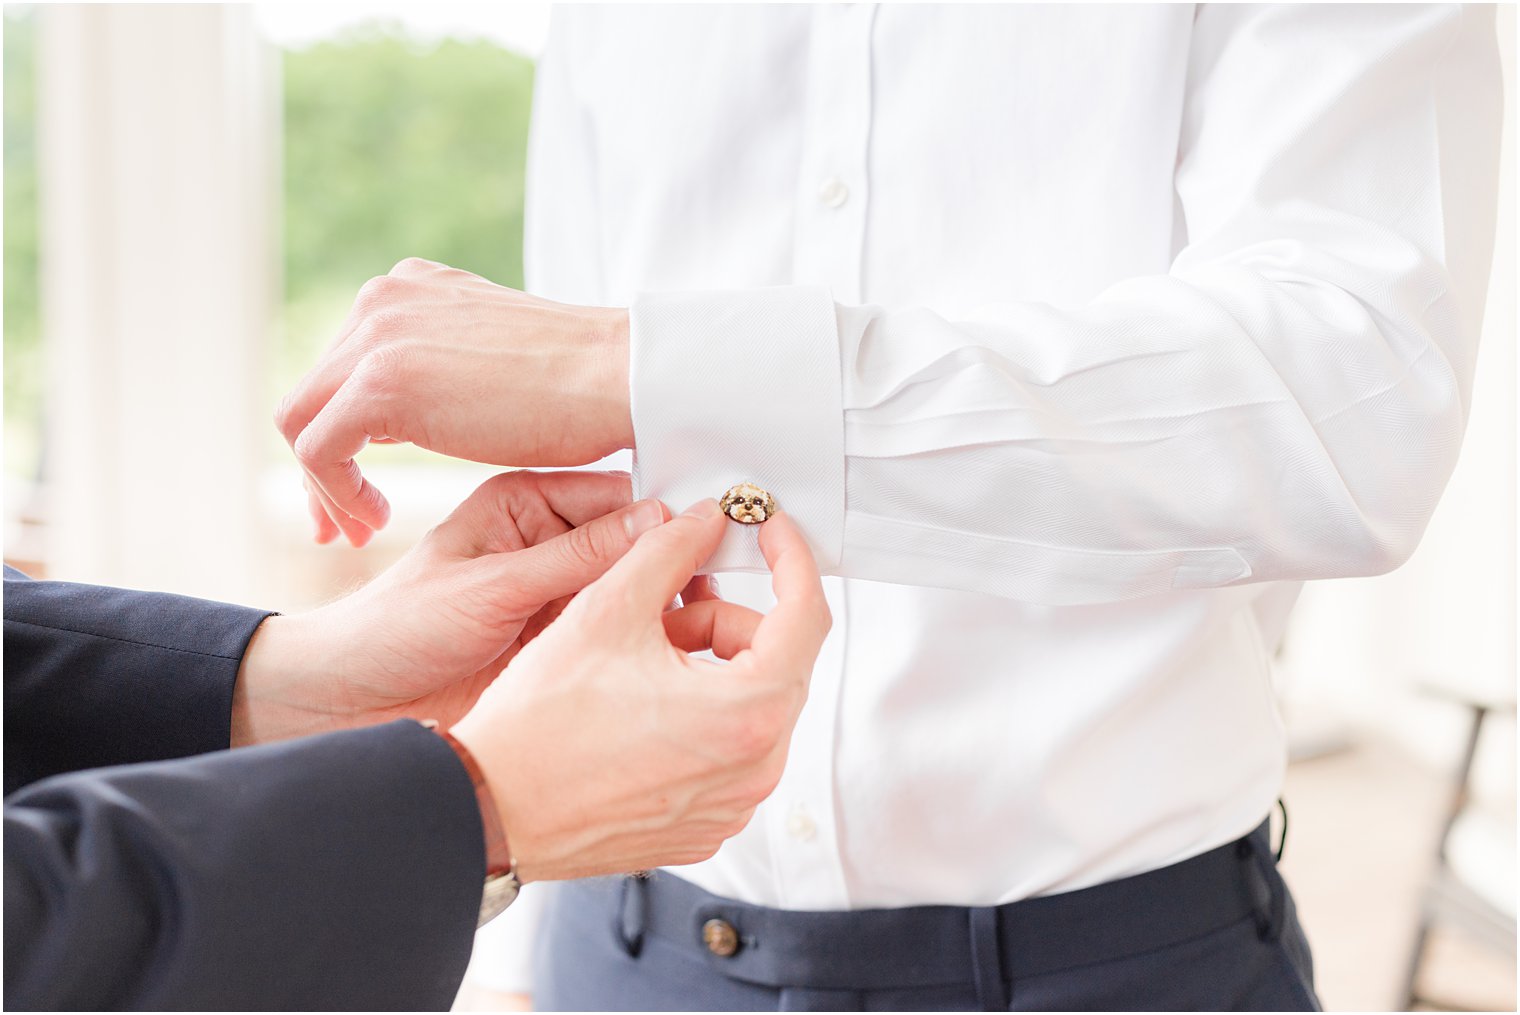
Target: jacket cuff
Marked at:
101, 676
336, 871
744, 386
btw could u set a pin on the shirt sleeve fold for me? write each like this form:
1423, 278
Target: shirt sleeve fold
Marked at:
1285, 403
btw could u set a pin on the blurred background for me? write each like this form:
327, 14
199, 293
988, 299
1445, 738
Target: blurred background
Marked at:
194, 193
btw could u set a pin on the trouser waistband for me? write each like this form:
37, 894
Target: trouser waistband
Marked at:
939, 945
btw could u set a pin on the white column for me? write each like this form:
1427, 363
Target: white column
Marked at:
157, 151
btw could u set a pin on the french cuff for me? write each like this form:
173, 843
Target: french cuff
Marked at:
735, 387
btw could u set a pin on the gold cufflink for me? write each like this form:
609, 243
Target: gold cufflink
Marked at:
747, 504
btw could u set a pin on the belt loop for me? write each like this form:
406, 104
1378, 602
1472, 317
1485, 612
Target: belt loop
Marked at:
632, 912
987, 960
1282, 843
1257, 847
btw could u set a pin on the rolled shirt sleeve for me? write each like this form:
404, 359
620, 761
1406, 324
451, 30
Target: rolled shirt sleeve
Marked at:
1285, 403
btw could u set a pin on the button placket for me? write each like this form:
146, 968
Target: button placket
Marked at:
831, 202
832, 191
807, 866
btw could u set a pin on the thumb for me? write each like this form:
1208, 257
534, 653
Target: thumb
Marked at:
564, 565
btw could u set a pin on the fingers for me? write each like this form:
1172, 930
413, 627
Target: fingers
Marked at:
359, 334
568, 563
378, 316
327, 447
518, 509
726, 628
793, 632
325, 530
357, 533
701, 588
578, 497
664, 560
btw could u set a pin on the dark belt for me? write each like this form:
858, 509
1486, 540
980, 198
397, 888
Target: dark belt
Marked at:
923, 946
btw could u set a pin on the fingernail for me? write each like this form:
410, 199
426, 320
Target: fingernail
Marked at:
643, 516
702, 509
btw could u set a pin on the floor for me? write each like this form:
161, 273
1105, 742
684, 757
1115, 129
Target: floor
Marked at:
1361, 844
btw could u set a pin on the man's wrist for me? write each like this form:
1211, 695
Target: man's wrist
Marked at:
281, 692
503, 878
480, 742
607, 378
498, 853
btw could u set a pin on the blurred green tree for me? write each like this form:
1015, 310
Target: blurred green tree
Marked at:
23, 348
392, 150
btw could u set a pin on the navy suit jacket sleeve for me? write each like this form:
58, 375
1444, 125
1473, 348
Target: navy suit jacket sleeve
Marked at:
335, 872
100, 676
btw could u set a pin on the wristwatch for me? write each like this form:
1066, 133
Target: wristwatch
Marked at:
502, 884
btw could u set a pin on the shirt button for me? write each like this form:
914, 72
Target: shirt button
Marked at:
833, 193
801, 827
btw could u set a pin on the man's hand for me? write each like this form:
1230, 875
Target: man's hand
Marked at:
427, 636
609, 748
448, 361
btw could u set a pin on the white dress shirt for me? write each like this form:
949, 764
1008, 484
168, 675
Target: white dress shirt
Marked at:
1075, 338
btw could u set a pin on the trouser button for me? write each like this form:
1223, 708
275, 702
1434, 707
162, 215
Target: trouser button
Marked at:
720, 937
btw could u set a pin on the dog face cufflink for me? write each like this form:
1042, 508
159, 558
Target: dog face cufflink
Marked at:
747, 504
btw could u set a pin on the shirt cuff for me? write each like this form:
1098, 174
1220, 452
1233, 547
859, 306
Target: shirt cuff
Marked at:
744, 386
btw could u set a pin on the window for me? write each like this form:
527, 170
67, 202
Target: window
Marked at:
401, 136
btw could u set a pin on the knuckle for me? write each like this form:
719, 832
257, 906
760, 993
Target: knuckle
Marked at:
384, 322
306, 449
505, 486
377, 292
587, 544
413, 266
382, 369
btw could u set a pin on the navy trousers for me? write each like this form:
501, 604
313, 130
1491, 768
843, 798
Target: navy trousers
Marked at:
1217, 932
